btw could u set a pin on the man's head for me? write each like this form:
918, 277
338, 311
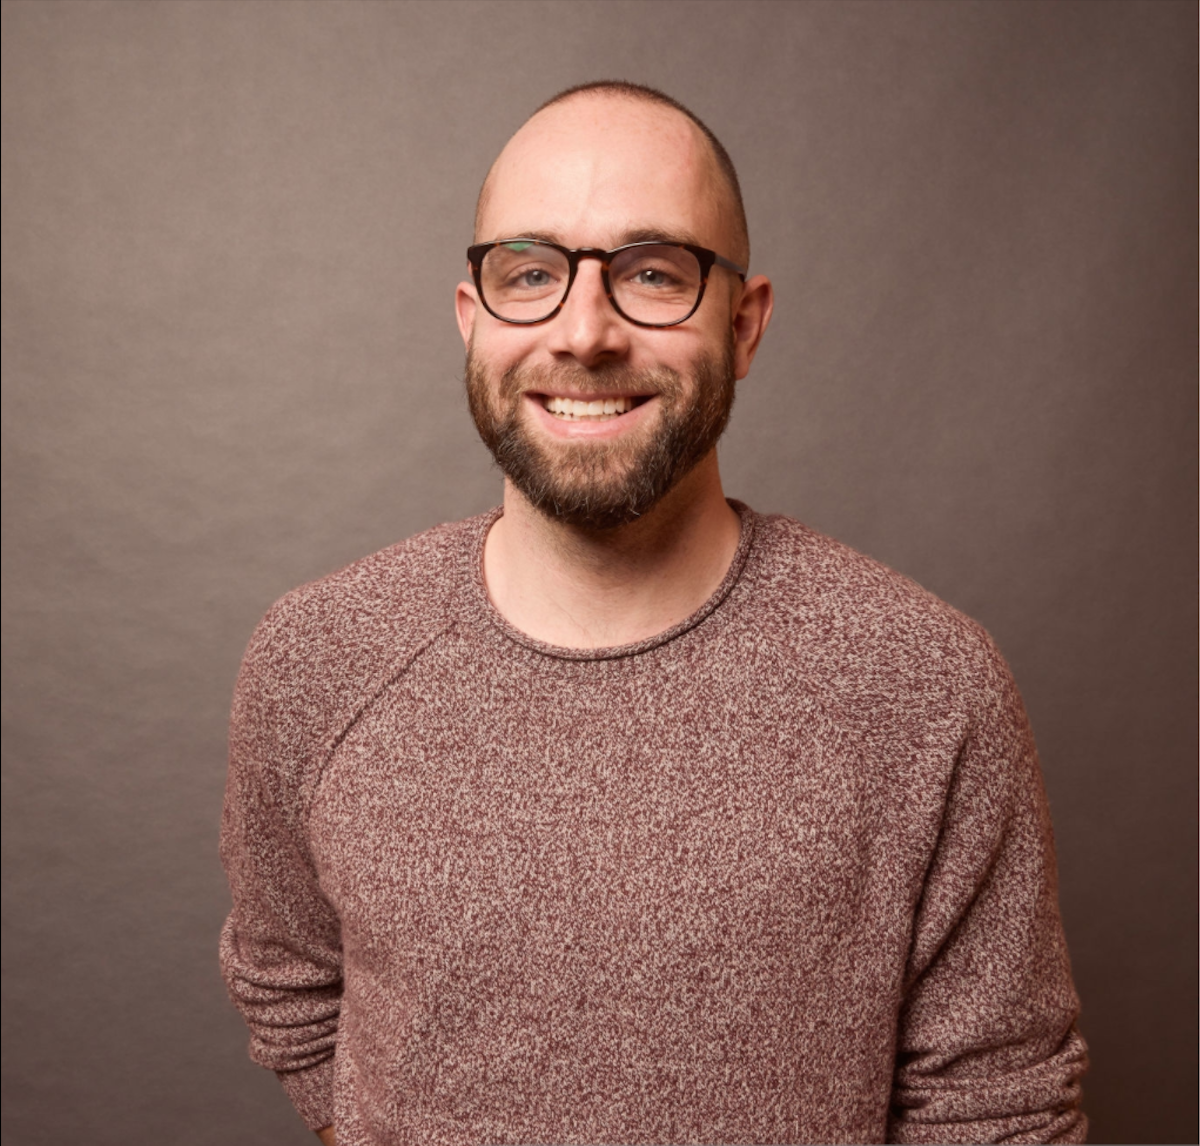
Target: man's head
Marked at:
601, 167
723, 175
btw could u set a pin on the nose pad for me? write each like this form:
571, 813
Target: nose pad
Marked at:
589, 327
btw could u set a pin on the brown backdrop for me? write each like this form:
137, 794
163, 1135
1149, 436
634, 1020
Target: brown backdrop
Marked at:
231, 234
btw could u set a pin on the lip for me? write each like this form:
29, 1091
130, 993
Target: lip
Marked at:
586, 430
587, 395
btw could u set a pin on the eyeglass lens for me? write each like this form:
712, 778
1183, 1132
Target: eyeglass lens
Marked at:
526, 281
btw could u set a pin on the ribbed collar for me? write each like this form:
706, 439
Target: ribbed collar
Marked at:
477, 599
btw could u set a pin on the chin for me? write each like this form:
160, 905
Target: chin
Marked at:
613, 480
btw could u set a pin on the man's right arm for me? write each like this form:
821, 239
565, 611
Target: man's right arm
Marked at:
281, 945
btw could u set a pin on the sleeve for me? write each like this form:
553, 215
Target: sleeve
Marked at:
987, 1046
280, 948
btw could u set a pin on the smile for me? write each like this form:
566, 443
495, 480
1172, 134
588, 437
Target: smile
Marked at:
590, 409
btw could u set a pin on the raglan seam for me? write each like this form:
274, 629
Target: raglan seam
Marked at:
372, 696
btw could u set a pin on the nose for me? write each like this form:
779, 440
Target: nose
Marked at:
587, 328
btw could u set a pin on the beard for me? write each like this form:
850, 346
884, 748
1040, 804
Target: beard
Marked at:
603, 484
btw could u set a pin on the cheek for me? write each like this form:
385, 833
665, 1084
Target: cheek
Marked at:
504, 345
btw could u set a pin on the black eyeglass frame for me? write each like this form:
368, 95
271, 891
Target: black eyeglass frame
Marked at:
706, 258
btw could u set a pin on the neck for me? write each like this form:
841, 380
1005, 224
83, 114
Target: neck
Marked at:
581, 588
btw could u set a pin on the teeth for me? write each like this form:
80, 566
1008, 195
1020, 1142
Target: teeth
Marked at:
599, 408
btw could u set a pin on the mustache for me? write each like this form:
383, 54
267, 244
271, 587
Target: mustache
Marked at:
568, 378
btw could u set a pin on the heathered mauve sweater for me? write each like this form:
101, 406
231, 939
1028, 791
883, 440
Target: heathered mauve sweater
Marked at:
783, 873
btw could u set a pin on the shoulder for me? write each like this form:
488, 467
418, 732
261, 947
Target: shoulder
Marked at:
826, 582
405, 587
324, 650
921, 690
868, 630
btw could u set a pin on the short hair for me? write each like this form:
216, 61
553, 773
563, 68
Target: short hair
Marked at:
643, 92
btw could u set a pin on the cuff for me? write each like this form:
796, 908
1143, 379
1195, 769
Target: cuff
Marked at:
311, 1093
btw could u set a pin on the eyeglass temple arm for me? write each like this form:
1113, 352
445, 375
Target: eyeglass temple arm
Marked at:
730, 266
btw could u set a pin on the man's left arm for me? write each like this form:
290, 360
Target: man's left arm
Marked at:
987, 1049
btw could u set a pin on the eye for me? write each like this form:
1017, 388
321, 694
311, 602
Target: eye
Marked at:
534, 277
654, 277
529, 279
656, 270
522, 273
527, 276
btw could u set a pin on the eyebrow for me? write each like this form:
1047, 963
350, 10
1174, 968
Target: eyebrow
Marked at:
639, 235
654, 236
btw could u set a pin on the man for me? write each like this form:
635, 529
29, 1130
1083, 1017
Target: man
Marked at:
625, 814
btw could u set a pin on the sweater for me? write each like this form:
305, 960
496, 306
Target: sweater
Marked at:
781, 873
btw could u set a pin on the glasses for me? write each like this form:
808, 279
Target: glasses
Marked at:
525, 281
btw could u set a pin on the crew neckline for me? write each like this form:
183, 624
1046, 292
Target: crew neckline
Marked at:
509, 631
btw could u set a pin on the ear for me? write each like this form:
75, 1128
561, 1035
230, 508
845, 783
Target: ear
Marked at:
466, 305
750, 318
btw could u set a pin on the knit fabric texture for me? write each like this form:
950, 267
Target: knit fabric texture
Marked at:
782, 873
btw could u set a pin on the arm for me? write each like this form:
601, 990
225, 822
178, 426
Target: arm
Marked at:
987, 1048
280, 947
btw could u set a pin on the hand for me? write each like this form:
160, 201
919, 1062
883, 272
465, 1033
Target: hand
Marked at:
328, 1136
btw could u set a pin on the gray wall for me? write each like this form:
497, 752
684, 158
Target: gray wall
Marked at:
231, 236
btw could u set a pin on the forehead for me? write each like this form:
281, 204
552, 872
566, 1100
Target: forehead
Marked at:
593, 170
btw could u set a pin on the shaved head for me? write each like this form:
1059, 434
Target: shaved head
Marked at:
595, 416
725, 189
